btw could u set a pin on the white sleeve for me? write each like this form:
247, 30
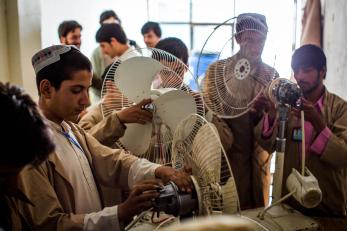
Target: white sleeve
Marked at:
106, 219
141, 169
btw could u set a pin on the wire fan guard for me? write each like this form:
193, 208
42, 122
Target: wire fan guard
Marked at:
196, 144
156, 74
231, 84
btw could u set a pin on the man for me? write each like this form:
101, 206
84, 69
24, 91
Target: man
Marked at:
22, 123
99, 60
70, 33
325, 138
113, 40
246, 158
174, 46
65, 189
151, 33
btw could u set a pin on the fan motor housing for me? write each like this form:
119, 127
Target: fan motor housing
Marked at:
172, 201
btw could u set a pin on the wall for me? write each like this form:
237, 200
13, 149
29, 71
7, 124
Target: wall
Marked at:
4, 68
20, 24
335, 45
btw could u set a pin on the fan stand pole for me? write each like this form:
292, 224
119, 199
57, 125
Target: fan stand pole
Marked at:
280, 149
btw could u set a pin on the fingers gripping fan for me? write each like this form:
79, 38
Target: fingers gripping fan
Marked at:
231, 84
196, 145
134, 79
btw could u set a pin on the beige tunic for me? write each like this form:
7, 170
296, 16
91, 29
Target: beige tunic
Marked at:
51, 190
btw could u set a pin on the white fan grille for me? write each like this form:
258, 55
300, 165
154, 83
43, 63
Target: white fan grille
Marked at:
196, 144
230, 85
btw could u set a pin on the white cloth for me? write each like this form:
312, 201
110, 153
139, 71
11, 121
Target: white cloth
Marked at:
78, 170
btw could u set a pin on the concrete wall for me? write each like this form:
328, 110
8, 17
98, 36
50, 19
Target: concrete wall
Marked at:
335, 45
20, 38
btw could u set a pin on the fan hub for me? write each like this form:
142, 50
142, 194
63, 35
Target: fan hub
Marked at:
242, 69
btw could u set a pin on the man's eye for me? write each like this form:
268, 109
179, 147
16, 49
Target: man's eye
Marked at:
76, 90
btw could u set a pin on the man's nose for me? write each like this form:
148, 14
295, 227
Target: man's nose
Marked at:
85, 101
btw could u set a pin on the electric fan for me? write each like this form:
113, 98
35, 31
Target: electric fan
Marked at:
158, 75
231, 84
196, 144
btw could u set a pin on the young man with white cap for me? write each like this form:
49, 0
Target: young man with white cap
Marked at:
66, 188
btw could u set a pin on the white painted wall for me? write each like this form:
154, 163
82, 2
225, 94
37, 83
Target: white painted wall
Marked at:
335, 46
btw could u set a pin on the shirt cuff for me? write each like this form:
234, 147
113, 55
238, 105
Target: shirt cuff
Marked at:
141, 169
319, 144
268, 127
106, 219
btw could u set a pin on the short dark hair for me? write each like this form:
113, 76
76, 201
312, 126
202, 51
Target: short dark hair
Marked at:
308, 56
174, 46
68, 26
24, 131
111, 30
148, 26
108, 14
61, 70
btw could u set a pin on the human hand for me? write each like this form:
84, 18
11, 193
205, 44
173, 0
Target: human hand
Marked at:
180, 178
135, 113
311, 115
263, 104
139, 199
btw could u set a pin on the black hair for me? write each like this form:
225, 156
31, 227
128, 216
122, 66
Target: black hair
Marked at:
24, 133
108, 14
68, 26
111, 30
174, 46
148, 26
62, 70
309, 56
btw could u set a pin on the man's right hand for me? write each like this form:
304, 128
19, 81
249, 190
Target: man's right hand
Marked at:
139, 199
136, 113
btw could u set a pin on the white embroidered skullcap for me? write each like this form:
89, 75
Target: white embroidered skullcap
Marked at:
49, 55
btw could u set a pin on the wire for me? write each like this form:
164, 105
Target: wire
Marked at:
164, 222
137, 219
303, 143
261, 214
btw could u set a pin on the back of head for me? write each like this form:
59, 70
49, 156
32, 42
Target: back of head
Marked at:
107, 15
57, 63
174, 46
148, 26
111, 30
308, 56
67, 26
251, 22
24, 133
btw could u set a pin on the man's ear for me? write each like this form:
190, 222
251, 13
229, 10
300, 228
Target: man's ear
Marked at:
323, 72
45, 88
62, 40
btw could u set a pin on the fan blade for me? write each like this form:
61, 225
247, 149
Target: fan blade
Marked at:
134, 77
206, 151
137, 138
174, 106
